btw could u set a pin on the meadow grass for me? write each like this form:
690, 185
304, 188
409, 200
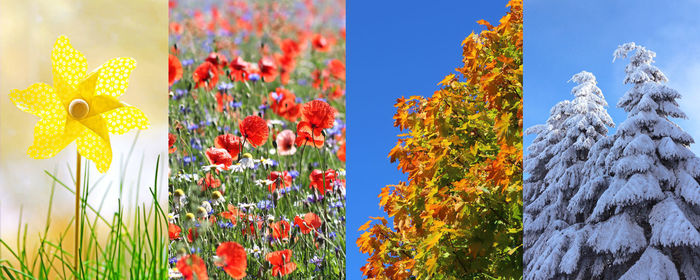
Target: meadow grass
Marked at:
134, 246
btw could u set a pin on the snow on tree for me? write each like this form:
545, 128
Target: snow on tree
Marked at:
638, 209
554, 163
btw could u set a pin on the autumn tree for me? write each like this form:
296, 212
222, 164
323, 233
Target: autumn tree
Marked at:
459, 214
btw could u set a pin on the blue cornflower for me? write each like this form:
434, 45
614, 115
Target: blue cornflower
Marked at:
254, 77
195, 143
265, 204
186, 62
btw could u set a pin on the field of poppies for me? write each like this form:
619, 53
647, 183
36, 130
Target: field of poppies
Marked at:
257, 140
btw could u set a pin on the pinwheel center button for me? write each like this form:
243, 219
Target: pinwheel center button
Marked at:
78, 108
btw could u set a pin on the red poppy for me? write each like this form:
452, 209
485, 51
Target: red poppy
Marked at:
287, 64
219, 156
232, 214
174, 231
320, 77
171, 143
317, 180
305, 137
230, 143
319, 114
192, 234
209, 182
234, 259
254, 130
286, 60
176, 28
341, 152
310, 222
222, 100
219, 60
290, 47
316, 115
192, 266
283, 103
285, 143
280, 230
199, 19
281, 262
280, 179
337, 69
206, 75
320, 43
244, 24
174, 69
268, 70
239, 69
337, 92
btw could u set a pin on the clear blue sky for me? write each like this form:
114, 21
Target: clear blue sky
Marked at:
564, 37
394, 49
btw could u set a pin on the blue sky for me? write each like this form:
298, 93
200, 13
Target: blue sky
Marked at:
394, 49
564, 37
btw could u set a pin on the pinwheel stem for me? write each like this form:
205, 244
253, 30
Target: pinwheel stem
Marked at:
77, 213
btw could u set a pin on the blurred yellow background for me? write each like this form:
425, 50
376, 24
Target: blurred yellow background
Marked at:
100, 30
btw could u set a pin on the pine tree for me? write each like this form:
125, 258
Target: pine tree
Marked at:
555, 161
641, 197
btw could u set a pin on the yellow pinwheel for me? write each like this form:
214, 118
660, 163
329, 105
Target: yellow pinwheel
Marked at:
80, 106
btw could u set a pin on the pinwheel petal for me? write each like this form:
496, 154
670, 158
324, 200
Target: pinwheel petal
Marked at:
123, 119
114, 76
94, 143
69, 66
38, 99
51, 135
100, 104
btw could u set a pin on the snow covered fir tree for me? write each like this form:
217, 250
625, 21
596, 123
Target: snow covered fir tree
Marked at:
554, 163
620, 206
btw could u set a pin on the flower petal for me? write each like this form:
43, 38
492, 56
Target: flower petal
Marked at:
114, 76
69, 65
123, 119
38, 99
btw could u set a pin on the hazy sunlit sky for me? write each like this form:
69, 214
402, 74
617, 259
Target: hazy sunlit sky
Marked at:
564, 37
101, 30
394, 49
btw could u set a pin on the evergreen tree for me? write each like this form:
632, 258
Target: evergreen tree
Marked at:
640, 202
555, 162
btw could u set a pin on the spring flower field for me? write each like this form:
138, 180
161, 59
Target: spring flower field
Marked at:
257, 140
